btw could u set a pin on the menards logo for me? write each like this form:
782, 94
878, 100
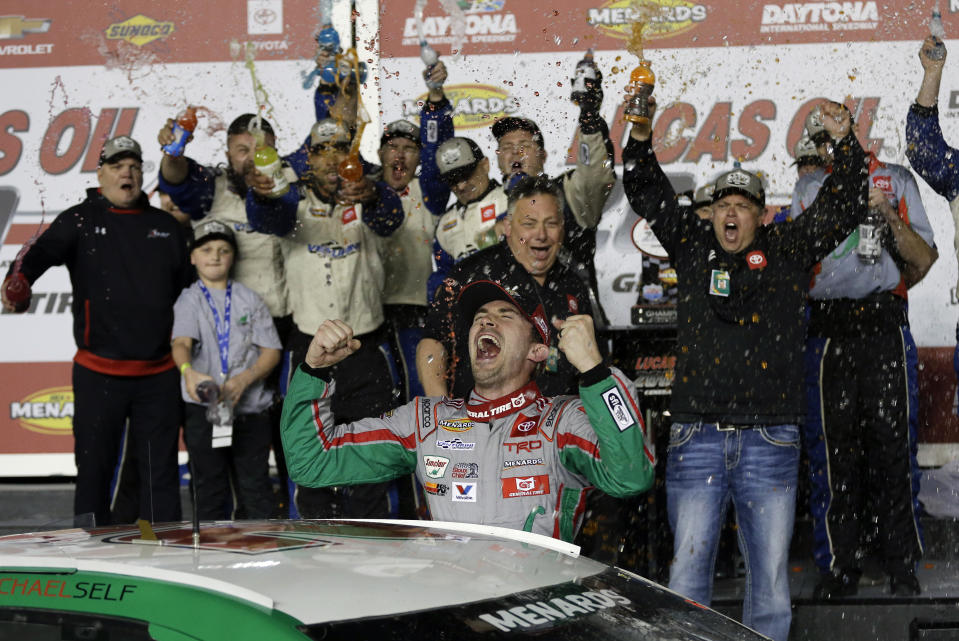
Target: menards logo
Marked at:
669, 17
139, 30
49, 411
473, 105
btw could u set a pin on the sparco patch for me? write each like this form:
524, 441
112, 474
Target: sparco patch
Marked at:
617, 409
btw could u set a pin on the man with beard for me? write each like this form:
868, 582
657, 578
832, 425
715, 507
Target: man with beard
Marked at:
506, 455
127, 263
331, 235
220, 193
407, 256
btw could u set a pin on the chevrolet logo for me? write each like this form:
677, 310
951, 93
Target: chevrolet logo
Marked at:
18, 26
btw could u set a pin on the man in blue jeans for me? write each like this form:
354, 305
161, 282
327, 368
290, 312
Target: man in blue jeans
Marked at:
737, 396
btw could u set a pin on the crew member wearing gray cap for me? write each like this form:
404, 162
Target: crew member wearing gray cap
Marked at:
737, 398
474, 221
334, 268
127, 264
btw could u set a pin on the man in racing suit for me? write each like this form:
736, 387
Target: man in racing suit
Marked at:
506, 456
861, 426
926, 147
737, 395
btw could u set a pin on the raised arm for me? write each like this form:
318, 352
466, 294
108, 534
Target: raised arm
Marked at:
321, 454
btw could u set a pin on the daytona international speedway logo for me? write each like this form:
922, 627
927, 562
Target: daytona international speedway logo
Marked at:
666, 18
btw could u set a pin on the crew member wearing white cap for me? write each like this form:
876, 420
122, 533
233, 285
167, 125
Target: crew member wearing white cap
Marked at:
332, 251
127, 264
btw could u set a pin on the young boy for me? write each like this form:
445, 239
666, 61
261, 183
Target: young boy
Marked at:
222, 332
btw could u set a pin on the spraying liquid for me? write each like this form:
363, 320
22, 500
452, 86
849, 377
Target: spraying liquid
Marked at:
642, 80
265, 158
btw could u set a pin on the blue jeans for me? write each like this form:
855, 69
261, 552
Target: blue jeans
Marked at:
756, 468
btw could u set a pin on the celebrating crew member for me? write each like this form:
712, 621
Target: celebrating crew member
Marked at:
861, 428
528, 259
520, 151
331, 248
475, 220
127, 263
407, 258
506, 456
742, 294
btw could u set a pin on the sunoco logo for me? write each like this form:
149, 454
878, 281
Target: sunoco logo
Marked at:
673, 17
49, 411
139, 30
473, 105
819, 16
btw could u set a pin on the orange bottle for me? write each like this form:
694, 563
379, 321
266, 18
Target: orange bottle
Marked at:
640, 87
351, 168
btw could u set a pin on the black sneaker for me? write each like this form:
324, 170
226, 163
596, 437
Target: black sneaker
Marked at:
837, 586
904, 583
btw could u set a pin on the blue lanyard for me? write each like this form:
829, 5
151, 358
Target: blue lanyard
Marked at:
222, 329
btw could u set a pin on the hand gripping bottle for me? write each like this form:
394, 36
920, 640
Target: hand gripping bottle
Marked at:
267, 162
585, 70
870, 237
936, 30
16, 288
429, 57
182, 129
640, 87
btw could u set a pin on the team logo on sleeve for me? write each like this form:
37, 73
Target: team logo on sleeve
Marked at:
525, 486
464, 492
617, 409
435, 466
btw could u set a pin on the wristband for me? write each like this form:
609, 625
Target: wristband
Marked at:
184, 366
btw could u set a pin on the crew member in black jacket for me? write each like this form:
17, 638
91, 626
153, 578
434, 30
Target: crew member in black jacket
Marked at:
737, 397
127, 263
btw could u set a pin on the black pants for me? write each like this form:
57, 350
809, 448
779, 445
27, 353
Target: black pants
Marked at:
238, 475
365, 386
103, 403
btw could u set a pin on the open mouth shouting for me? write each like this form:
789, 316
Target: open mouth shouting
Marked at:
488, 347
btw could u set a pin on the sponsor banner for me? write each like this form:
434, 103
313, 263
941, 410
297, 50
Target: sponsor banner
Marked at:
510, 26
38, 405
137, 33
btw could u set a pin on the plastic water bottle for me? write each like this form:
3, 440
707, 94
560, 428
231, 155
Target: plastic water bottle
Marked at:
585, 70
182, 130
870, 237
429, 57
937, 31
267, 162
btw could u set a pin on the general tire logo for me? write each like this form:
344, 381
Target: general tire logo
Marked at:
525, 486
616, 407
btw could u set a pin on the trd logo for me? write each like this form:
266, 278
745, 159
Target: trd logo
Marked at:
524, 446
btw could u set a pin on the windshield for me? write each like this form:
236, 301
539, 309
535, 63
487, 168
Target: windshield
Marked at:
611, 606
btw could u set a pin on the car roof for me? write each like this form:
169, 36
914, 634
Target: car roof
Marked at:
316, 571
